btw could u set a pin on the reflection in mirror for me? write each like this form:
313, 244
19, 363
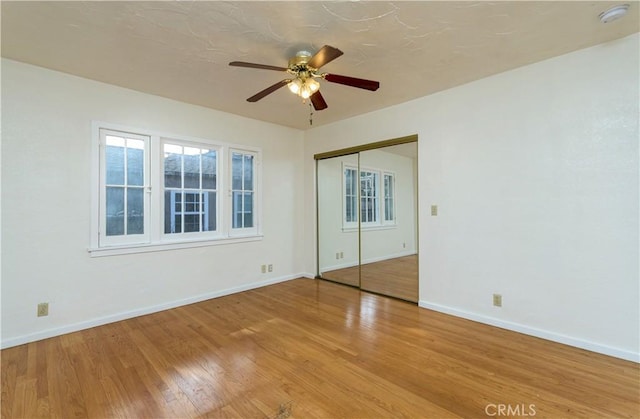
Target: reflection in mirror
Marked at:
338, 252
388, 215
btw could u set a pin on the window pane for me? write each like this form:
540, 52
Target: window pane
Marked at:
209, 223
172, 212
191, 223
177, 222
191, 168
191, 202
172, 166
248, 209
114, 160
248, 172
167, 212
237, 209
209, 164
236, 169
115, 211
135, 211
135, 165
388, 198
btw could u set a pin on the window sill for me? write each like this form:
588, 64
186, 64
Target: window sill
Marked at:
164, 246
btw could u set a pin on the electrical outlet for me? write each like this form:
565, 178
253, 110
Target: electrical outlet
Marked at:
263, 269
337, 255
341, 255
404, 245
43, 309
270, 267
434, 210
497, 300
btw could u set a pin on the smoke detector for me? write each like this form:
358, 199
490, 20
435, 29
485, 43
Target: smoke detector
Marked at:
614, 13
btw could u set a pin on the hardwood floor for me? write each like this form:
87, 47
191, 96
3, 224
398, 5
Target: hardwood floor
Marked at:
309, 348
397, 277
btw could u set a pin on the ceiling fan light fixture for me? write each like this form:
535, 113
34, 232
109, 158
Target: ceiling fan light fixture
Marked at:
305, 92
295, 86
304, 88
313, 85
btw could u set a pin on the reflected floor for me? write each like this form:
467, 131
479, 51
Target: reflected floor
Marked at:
397, 277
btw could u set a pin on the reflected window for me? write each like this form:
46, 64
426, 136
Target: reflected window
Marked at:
350, 195
369, 193
376, 199
389, 198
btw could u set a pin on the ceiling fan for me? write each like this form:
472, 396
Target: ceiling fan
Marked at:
304, 69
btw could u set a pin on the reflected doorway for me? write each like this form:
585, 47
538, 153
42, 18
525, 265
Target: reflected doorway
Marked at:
367, 217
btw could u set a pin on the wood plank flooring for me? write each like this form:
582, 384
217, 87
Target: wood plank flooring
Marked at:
309, 349
397, 277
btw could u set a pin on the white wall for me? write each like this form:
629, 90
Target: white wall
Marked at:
535, 172
46, 198
377, 243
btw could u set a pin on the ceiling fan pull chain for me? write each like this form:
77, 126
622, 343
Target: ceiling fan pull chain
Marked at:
310, 115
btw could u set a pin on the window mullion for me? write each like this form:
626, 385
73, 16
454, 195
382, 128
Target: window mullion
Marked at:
241, 193
124, 187
201, 212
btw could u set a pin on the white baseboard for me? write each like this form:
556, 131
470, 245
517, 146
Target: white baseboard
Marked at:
57, 331
532, 331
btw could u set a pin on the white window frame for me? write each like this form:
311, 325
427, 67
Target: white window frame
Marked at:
383, 203
244, 231
194, 235
155, 239
353, 223
103, 239
376, 197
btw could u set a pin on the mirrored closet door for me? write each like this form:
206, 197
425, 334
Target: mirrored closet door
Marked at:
367, 218
338, 249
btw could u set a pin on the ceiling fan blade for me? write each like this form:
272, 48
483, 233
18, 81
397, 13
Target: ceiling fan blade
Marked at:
268, 90
325, 55
318, 101
259, 66
353, 82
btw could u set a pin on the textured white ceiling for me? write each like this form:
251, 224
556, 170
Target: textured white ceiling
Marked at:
181, 50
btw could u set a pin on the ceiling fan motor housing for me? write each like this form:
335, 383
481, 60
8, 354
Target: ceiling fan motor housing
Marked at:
299, 68
301, 59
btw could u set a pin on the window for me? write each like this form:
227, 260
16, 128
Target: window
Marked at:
242, 190
389, 198
369, 206
190, 188
124, 176
372, 211
350, 195
157, 193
